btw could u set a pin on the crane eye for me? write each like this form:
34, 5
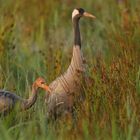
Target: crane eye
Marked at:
42, 83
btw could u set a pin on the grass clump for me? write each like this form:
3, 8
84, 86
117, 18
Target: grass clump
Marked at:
35, 38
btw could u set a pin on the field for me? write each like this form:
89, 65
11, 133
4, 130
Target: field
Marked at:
36, 39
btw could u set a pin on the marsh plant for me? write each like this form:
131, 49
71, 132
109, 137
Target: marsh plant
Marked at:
36, 39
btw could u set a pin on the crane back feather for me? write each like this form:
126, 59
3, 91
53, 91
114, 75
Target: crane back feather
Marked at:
70, 80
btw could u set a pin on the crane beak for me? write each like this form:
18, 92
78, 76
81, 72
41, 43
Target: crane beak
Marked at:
45, 87
86, 14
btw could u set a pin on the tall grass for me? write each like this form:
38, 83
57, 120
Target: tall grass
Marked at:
36, 40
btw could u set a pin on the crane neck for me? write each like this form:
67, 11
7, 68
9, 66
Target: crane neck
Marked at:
32, 98
77, 37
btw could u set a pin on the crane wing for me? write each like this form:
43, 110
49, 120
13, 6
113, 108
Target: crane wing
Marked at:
7, 100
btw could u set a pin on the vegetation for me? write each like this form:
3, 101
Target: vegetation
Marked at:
36, 39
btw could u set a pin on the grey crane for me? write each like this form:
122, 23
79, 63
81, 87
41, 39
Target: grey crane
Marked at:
60, 99
8, 100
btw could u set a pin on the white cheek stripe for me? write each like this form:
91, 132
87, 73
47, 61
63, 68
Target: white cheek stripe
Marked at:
74, 13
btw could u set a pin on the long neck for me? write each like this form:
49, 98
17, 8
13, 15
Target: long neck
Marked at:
77, 38
31, 100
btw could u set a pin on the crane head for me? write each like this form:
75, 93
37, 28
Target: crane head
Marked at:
79, 12
40, 83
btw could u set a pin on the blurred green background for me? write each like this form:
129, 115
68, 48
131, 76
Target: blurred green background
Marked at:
36, 39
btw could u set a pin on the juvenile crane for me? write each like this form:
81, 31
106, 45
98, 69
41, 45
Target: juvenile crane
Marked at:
60, 99
8, 100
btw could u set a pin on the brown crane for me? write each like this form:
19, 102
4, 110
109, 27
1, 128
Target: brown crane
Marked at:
60, 99
8, 100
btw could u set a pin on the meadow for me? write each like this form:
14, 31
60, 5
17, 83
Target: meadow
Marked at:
36, 39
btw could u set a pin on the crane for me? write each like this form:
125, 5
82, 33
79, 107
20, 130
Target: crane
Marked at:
9, 100
60, 98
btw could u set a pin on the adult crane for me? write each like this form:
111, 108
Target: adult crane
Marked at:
60, 99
